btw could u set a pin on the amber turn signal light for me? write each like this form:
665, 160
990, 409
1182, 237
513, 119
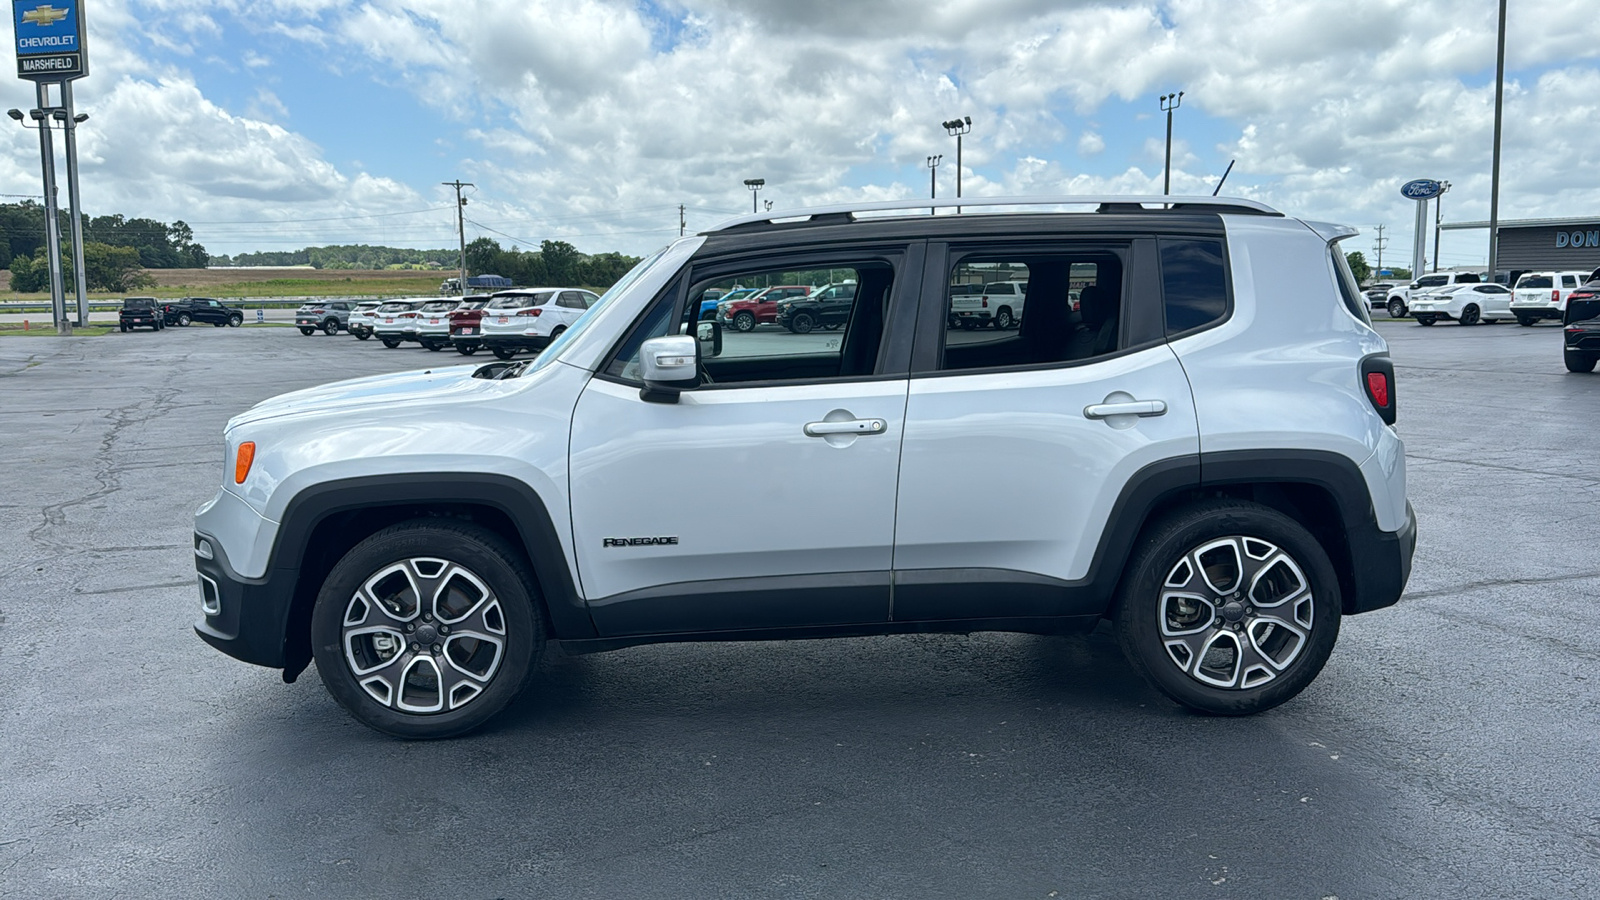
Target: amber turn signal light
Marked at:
241, 463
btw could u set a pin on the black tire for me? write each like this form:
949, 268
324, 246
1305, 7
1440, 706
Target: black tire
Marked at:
803, 323
833, 326
363, 335
391, 343
219, 324
1469, 315
307, 331
558, 331
744, 321
466, 349
1526, 321
1002, 317
969, 324
184, 320
501, 674
433, 346
330, 327
1143, 606
503, 353
1578, 361
124, 329
1425, 320
1397, 308
708, 315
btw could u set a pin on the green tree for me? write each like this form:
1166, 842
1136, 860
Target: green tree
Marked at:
560, 262
483, 255
114, 269
1359, 267
27, 277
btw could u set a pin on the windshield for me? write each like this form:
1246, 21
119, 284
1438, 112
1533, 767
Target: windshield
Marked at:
1534, 281
739, 295
566, 337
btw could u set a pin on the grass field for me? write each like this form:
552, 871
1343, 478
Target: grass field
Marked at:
241, 284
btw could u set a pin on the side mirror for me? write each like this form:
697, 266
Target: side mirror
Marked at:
708, 335
669, 365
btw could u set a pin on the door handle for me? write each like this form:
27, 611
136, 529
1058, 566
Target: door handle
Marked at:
1142, 408
850, 426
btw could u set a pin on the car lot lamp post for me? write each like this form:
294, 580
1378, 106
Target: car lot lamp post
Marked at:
755, 185
1169, 102
958, 128
52, 225
1438, 219
933, 181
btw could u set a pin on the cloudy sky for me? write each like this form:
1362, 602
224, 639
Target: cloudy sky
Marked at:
274, 124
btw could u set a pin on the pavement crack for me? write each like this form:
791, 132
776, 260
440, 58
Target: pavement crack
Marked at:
1503, 468
1498, 582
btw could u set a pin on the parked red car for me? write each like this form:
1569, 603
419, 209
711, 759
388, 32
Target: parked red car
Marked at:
466, 328
760, 308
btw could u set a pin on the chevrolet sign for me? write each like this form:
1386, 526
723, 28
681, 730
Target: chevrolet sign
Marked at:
49, 39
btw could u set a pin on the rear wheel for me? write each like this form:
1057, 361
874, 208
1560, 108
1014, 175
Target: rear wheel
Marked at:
363, 335
1397, 308
466, 349
1526, 321
1469, 315
391, 343
1425, 320
330, 327
184, 320
124, 329
1578, 361
427, 630
503, 353
307, 331
1229, 607
1002, 318
433, 346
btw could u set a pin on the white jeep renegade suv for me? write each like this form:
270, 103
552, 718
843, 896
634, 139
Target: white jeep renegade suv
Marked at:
1203, 452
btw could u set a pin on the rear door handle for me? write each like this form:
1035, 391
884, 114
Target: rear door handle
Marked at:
851, 426
1142, 408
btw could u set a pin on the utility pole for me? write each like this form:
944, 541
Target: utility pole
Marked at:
1379, 244
1438, 220
681, 222
1169, 102
1494, 178
461, 226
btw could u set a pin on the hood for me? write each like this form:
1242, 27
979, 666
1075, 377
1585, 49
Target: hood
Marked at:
429, 385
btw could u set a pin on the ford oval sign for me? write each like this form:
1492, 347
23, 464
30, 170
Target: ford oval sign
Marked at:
1421, 189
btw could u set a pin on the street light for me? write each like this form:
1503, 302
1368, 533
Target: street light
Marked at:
1169, 102
755, 185
1438, 214
958, 128
933, 181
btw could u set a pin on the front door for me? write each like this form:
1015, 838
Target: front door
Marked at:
764, 499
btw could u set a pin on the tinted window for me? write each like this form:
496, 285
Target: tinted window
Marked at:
1194, 283
1468, 278
1432, 281
1569, 281
1065, 306
1534, 281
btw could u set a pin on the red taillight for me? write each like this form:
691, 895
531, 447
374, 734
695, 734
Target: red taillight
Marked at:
1378, 389
529, 312
986, 303
1555, 296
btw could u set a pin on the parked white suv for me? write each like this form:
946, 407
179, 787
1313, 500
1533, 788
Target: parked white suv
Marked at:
1400, 297
1204, 452
529, 319
1543, 295
363, 317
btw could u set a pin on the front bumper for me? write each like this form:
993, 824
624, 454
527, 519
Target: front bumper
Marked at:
1382, 563
246, 618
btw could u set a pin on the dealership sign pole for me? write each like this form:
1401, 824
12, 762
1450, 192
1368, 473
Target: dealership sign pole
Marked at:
50, 51
1422, 190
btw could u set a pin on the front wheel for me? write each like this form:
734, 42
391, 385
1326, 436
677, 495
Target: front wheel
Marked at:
391, 343
744, 322
184, 320
1469, 315
427, 630
1578, 361
1229, 608
330, 327
802, 323
1397, 308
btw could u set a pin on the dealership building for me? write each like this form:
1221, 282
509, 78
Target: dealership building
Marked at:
1544, 245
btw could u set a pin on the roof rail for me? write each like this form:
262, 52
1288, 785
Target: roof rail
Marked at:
840, 213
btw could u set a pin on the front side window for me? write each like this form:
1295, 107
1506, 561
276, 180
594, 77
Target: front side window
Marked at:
784, 341
1028, 314
1194, 283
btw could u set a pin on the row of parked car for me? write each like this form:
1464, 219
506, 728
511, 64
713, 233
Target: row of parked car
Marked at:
1467, 298
148, 312
505, 323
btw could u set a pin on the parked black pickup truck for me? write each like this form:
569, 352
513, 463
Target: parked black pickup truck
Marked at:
202, 309
140, 312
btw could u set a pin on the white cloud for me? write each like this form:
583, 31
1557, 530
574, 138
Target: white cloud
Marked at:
1090, 144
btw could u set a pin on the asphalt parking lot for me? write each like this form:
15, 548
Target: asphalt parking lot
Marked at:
1447, 750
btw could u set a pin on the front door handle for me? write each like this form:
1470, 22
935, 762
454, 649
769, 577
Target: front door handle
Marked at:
1142, 408
849, 426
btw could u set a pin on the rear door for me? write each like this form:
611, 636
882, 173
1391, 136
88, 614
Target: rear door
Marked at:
1019, 442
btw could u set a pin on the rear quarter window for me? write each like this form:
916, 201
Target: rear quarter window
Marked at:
1194, 283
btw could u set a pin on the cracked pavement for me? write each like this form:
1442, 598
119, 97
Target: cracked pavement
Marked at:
1446, 750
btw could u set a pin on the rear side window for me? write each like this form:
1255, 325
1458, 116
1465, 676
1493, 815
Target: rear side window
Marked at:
1194, 283
1348, 292
1569, 281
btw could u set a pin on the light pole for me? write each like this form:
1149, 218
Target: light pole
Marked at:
933, 181
755, 185
1438, 217
1169, 102
1494, 177
52, 224
958, 128
69, 123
